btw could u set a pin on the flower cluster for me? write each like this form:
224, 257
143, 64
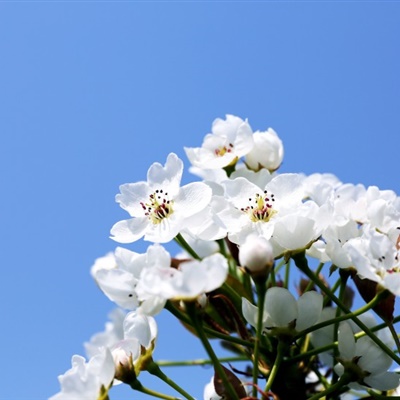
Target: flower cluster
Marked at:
243, 229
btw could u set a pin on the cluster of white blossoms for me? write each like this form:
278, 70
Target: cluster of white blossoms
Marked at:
242, 230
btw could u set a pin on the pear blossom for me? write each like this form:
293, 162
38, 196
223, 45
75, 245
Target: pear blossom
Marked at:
325, 336
119, 279
267, 151
367, 362
336, 236
190, 280
281, 310
256, 210
375, 257
87, 380
321, 187
230, 139
159, 207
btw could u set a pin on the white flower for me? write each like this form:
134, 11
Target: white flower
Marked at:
267, 151
189, 281
372, 363
281, 310
159, 207
230, 139
325, 336
119, 279
336, 236
88, 381
255, 210
375, 257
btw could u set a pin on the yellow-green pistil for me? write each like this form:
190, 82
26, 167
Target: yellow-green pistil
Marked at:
260, 208
158, 207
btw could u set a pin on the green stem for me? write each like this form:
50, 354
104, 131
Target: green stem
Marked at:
287, 275
140, 388
317, 271
192, 311
377, 327
261, 290
394, 334
189, 363
275, 368
301, 262
185, 245
222, 247
343, 280
155, 370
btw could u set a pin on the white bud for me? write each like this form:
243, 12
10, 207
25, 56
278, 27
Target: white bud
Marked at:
256, 254
267, 151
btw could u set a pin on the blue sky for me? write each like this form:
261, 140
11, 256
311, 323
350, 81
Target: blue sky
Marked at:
92, 93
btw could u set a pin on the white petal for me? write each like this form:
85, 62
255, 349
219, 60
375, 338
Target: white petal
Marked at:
294, 232
164, 231
250, 312
239, 191
168, 177
281, 306
347, 344
132, 196
383, 381
373, 359
392, 283
287, 188
192, 198
119, 286
137, 326
102, 366
310, 307
129, 230
216, 268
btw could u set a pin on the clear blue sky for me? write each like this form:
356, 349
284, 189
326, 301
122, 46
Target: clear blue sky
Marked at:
92, 93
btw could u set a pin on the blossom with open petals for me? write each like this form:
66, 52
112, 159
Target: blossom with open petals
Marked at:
119, 277
376, 257
87, 380
230, 139
159, 207
255, 210
189, 281
367, 362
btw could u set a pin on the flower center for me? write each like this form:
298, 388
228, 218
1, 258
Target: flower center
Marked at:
260, 207
158, 207
221, 151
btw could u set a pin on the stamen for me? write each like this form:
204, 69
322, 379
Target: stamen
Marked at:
158, 207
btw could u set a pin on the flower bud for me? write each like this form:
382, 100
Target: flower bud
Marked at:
256, 255
267, 151
125, 354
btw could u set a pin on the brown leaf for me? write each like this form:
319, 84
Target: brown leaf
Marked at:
368, 290
234, 381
